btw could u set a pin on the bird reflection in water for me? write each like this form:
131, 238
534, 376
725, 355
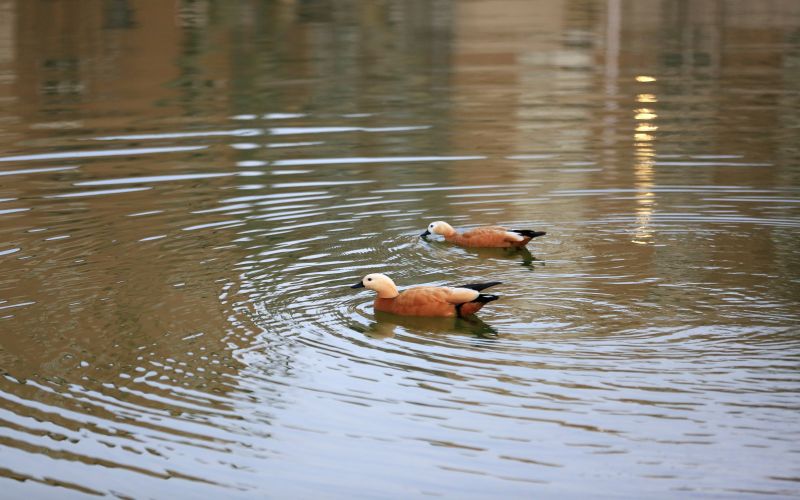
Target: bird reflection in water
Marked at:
521, 254
387, 325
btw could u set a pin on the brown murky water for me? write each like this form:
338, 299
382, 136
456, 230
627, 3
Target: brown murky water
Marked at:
188, 188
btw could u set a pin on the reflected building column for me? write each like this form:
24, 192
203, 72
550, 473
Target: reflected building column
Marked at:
611, 75
8, 21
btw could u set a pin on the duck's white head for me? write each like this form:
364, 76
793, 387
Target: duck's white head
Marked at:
380, 283
439, 227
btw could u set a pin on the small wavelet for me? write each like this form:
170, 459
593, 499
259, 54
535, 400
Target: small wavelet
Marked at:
36, 170
338, 129
154, 178
399, 159
249, 132
96, 154
12, 306
227, 223
102, 192
295, 144
13, 210
320, 183
708, 164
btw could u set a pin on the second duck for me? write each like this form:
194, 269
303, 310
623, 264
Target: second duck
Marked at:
486, 237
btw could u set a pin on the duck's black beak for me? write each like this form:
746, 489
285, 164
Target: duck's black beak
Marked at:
426, 233
358, 285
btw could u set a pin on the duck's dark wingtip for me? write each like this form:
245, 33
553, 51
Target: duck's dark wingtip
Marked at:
481, 286
530, 233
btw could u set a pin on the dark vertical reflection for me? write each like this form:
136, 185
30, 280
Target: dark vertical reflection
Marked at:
119, 15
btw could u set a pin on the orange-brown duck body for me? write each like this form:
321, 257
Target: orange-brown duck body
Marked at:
426, 300
485, 237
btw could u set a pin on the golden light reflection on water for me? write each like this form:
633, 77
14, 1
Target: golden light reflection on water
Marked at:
645, 114
646, 98
644, 137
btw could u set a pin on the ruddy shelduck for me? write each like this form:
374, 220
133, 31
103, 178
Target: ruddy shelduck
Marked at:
427, 300
486, 237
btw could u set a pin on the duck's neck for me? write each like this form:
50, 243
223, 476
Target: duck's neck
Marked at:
389, 291
449, 232
453, 236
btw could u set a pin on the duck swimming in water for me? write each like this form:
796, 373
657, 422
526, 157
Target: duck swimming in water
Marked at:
486, 237
427, 300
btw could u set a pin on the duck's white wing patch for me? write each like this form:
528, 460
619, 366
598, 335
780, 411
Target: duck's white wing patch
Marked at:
509, 236
461, 295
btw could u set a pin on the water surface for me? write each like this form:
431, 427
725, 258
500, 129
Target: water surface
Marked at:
187, 190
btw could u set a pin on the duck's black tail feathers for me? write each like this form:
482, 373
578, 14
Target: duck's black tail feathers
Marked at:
480, 286
482, 298
529, 233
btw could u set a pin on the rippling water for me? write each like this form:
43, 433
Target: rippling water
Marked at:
188, 189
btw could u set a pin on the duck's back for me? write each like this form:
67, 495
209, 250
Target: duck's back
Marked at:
490, 236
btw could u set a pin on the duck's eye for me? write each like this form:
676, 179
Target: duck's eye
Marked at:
431, 226
369, 279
